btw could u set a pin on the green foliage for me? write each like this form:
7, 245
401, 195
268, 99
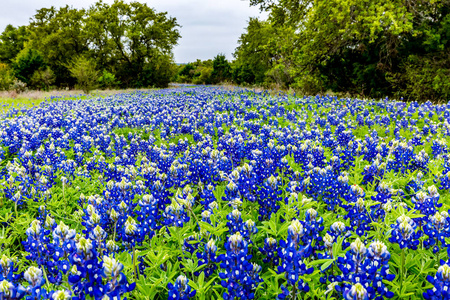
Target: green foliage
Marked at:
157, 73
42, 79
85, 72
431, 83
140, 39
6, 76
221, 69
12, 41
61, 35
18, 86
199, 72
130, 38
26, 63
368, 48
108, 80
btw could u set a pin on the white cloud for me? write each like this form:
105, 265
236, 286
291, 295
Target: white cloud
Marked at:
208, 27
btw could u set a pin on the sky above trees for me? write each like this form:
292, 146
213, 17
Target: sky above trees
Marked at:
208, 27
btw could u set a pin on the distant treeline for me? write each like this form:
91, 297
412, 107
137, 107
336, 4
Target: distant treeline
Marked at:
118, 45
372, 48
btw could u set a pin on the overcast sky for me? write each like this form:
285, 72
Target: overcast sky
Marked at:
208, 27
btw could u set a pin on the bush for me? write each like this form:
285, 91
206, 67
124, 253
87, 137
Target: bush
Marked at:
85, 72
43, 79
6, 77
27, 62
423, 78
108, 80
203, 76
221, 69
18, 86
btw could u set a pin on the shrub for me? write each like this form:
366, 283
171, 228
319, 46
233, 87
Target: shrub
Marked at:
6, 76
221, 69
85, 72
108, 80
18, 86
43, 79
27, 62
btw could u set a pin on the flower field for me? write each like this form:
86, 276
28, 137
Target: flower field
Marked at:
207, 193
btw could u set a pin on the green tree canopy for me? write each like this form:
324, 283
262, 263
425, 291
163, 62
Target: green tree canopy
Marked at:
129, 40
221, 69
12, 41
361, 47
26, 63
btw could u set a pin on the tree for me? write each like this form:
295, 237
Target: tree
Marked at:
221, 69
85, 73
6, 76
26, 63
135, 39
12, 41
43, 79
108, 80
61, 35
130, 40
361, 47
198, 72
186, 73
257, 52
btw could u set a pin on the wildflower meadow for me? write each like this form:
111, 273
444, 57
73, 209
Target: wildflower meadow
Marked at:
213, 193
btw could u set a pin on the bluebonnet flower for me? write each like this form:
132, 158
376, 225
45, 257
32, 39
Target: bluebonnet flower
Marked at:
415, 184
117, 283
359, 217
180, 290
270, 251
367, 267
404, 233
439, 148
292, 253
426, 204
35, 278
249, 228
7, 270
175, 215
445, 181
356, 292
339, 229
440, 282
148, 215
239, 276
235, 223
207, 195
9, 291
312, 226
131, 233
208, 258
374, 172
437, 229
60, 295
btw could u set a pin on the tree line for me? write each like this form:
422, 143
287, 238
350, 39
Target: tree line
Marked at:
372, 48
118, 45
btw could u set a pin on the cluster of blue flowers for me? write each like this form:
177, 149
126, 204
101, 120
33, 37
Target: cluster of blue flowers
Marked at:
246, 183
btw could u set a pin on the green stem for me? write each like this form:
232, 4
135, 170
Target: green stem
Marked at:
15, 210
193, 214
294, 292
46, 278
437, 254
402, 269
136, 275
114, 234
